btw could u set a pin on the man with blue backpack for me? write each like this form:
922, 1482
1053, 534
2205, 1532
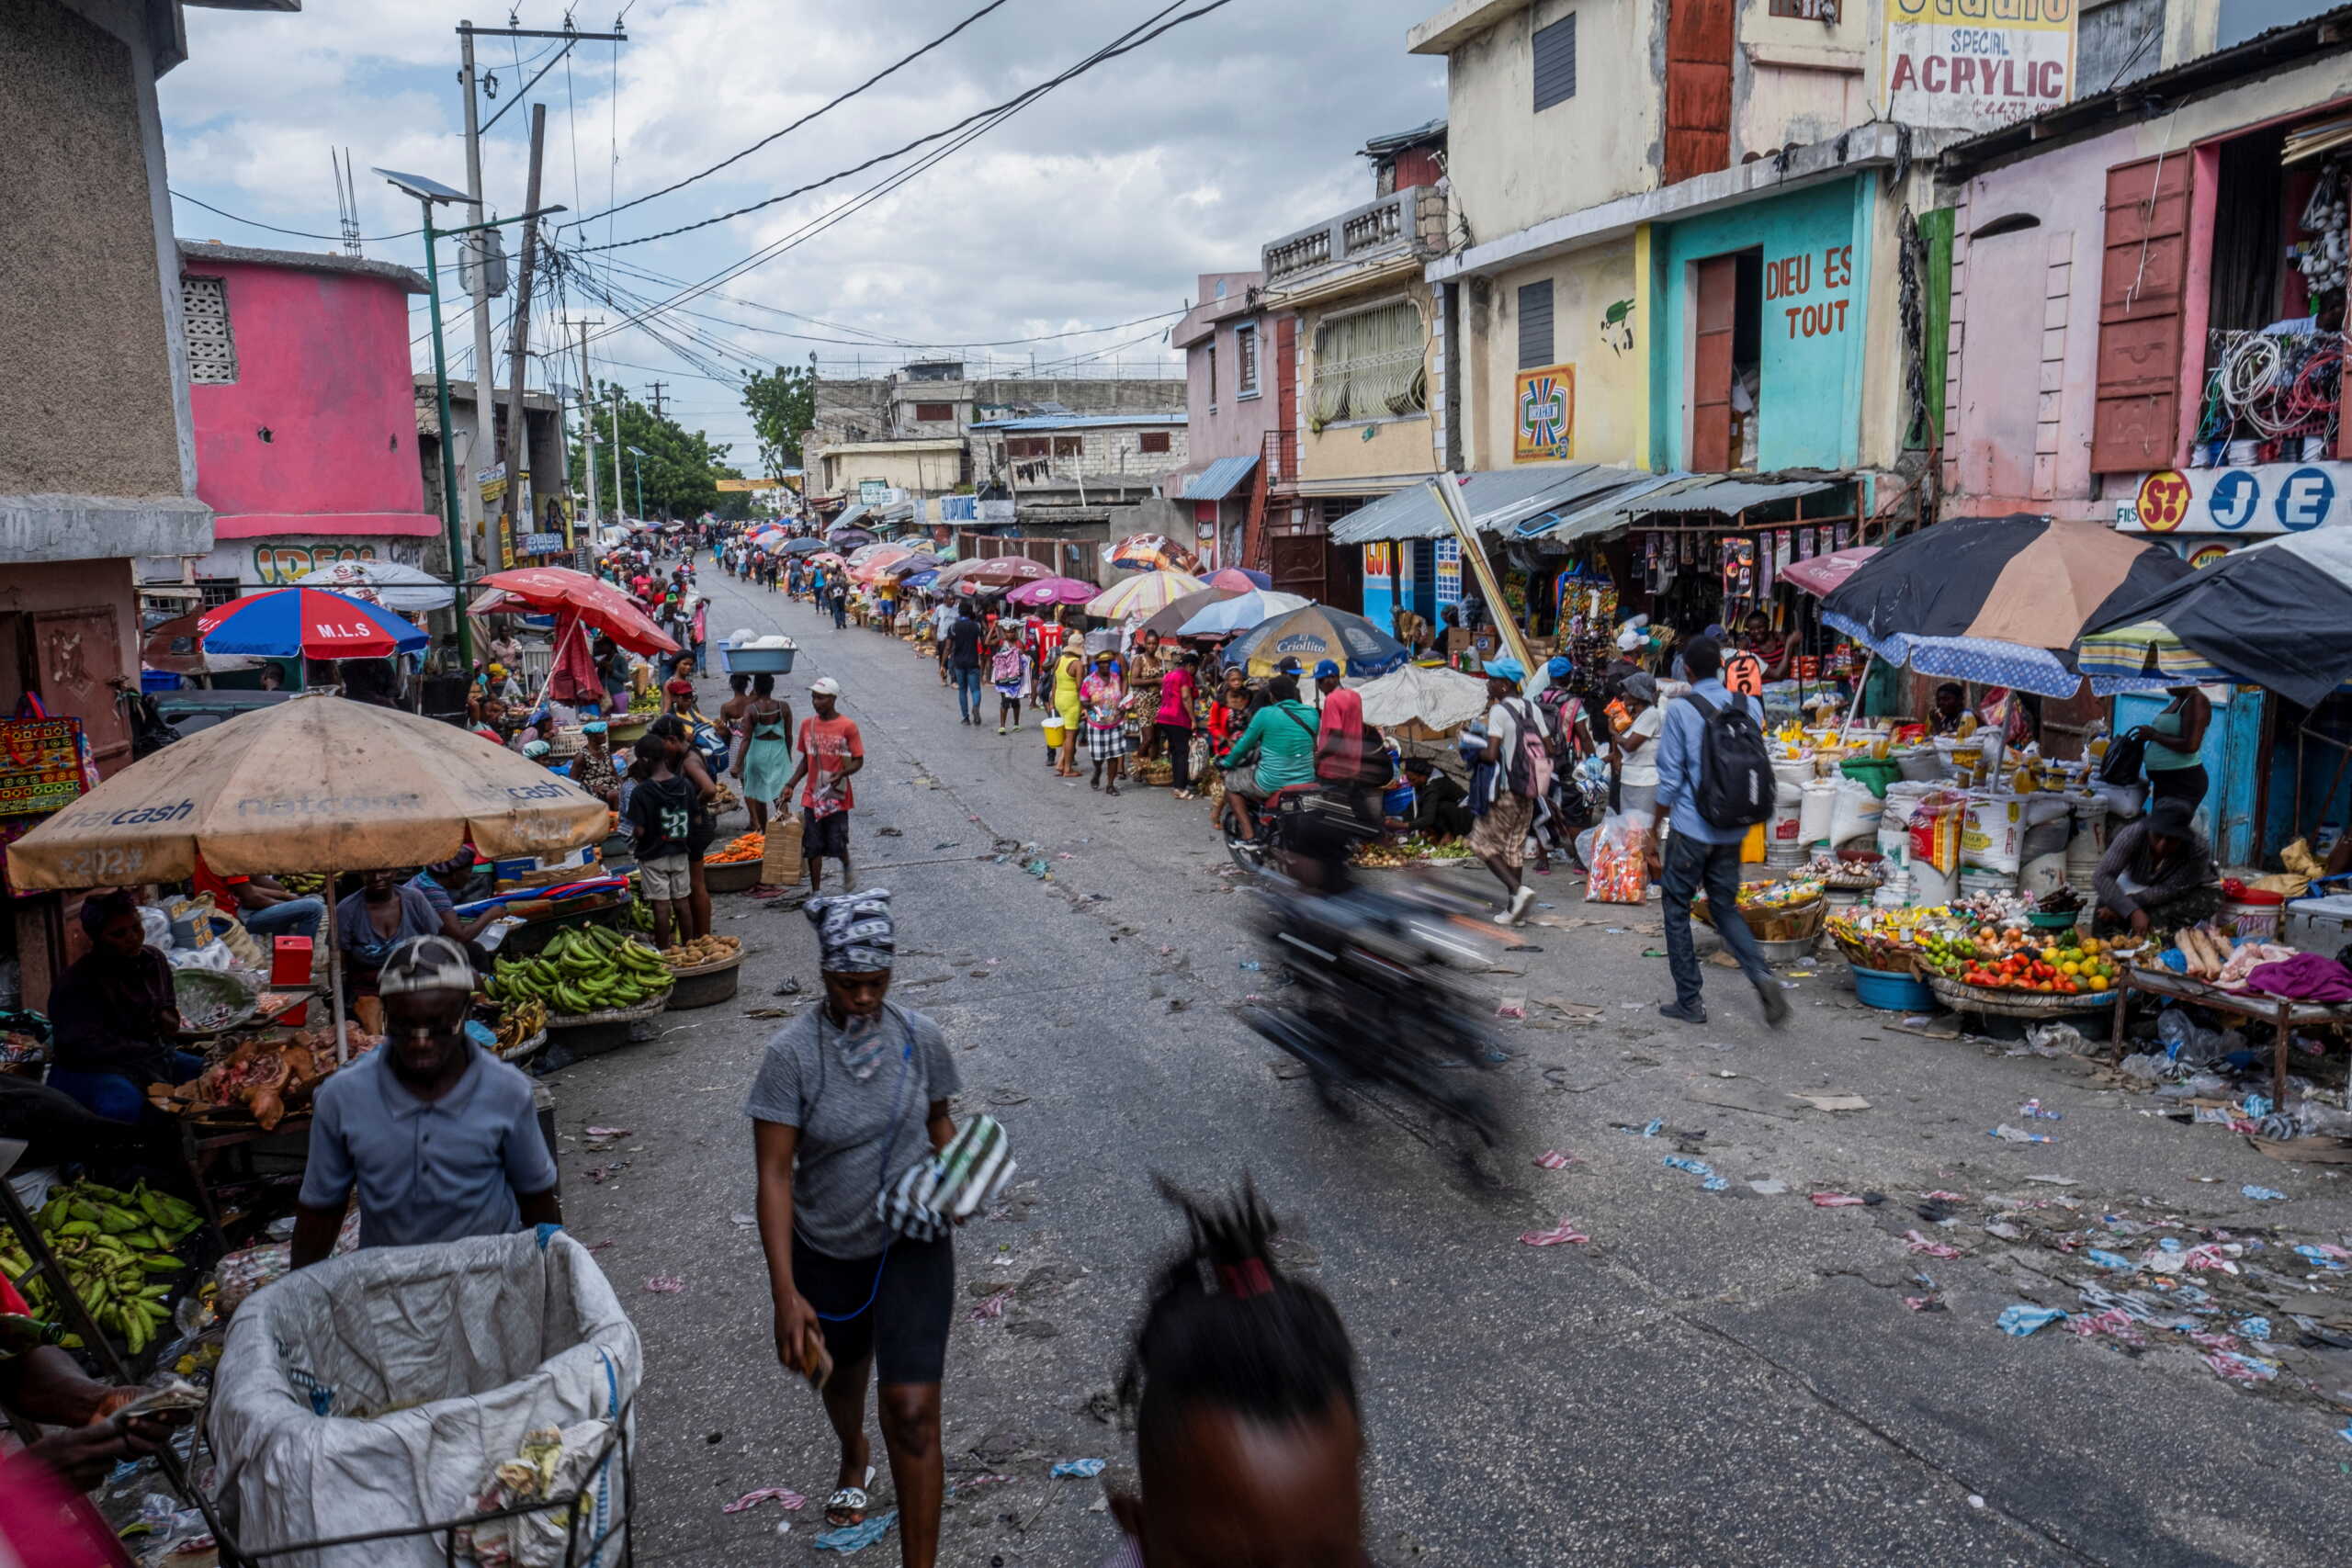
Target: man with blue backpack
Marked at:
1715, 783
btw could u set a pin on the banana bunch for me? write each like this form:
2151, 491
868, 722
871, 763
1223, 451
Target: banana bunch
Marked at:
640, 915
519, 1023
582, 971
116, 1248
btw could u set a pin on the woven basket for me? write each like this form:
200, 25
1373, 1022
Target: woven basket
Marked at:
1795, 924
524, 1047
650, 1006
2014, 1004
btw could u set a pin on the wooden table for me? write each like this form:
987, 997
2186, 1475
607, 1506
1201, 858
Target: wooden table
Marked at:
2259, 1006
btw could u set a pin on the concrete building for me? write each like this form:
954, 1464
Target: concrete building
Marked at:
1229, 341
1357, 372
305, 435
547, 479
98, 466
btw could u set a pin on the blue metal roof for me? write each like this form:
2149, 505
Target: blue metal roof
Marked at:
1220, 478
1076, 421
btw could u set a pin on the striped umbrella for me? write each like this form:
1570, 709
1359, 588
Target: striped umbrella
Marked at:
1240, 612
2273, 615
1153, 552
1183, 608
1313, 633
2001, 601
1143, 594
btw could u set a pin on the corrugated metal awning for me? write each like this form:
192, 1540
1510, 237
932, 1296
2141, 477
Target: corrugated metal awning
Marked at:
1496, 498
1219, 480
849, 516
1674, 493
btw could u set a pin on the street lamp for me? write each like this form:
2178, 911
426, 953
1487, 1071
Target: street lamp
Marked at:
427, 193
640, 480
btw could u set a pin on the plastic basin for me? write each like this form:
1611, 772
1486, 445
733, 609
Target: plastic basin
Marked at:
757, 661
1891, 992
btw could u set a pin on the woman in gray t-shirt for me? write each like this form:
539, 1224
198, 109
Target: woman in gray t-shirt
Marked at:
848, 1096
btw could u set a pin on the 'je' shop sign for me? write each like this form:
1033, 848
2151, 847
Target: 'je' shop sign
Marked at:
2261, 498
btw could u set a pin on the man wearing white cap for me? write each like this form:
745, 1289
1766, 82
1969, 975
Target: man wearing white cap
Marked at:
831, 750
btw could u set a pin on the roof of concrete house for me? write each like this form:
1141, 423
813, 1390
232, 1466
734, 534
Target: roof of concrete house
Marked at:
303, 261
1397, 141
1199, 320
1077, 420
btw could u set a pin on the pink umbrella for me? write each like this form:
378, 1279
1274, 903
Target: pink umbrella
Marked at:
1048, 590
1823, 575
1241, 579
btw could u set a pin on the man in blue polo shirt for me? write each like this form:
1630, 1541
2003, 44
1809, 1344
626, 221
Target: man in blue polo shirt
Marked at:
1701, 854
438, 1136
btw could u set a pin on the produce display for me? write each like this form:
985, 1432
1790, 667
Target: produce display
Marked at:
582, 971
2007, 959
1786, 895
702, 951
1895, 941
522, 1021
1848, 876
116, 1249
743, 847
266, 1077
1410, 850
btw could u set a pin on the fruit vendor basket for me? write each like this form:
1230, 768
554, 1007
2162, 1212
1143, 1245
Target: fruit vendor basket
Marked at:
732, 876
593, 1034
706, 984
2015, 1004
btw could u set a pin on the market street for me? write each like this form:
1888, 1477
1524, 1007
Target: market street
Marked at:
1718, 1377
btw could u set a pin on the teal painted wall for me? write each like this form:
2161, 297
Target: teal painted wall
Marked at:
1817, 245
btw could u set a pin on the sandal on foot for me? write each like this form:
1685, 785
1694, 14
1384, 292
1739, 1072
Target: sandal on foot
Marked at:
847, 1505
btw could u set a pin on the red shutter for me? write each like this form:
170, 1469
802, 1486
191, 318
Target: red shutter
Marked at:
1698, 89
1718, 286
2137, 426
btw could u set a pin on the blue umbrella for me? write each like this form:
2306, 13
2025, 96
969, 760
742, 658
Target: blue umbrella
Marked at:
1240, 612
921, 579
1315, 633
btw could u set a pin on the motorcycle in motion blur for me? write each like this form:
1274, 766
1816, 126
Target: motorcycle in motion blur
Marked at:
1376, 1006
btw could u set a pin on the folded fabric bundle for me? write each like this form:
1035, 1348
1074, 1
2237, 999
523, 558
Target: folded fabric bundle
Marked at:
2306, 977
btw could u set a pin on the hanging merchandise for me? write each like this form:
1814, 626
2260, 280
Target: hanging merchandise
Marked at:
1809, 542
1767, 559
40, 761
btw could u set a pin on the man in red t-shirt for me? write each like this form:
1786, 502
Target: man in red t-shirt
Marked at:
831, 750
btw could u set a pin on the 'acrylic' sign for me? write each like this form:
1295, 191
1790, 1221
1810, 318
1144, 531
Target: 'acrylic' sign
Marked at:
1974, 64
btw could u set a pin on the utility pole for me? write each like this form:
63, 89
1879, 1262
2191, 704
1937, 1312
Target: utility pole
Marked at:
617, 456
588, 423
657, 398
518, 449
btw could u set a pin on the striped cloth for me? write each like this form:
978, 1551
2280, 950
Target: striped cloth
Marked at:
954, 1184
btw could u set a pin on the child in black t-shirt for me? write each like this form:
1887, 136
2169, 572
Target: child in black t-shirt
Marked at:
658, 814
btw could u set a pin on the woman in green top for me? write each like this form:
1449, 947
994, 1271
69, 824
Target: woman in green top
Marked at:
2175, 738
1281, 737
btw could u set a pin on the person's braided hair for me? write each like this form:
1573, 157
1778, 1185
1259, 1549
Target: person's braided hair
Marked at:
1228, 1329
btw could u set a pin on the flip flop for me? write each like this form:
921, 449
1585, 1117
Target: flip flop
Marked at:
847, 1505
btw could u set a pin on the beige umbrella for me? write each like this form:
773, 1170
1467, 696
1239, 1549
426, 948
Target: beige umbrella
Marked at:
317, 783
1423, 702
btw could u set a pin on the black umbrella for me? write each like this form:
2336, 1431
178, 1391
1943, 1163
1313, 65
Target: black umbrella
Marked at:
848, 540
801, 547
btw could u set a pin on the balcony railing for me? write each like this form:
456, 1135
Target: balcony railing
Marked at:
1409, 220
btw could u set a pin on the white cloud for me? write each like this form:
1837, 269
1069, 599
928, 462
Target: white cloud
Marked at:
1097, 204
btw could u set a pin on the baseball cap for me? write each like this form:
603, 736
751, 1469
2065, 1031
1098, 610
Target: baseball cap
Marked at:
1505, 668
1327, 667
824, 686
1287, 666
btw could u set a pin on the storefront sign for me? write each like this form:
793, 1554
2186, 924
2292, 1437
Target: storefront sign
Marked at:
542, 544
1449, 570
277, 565
1973, 65
492, 482
2265, 498
1799, 285
873, 493
1545, 418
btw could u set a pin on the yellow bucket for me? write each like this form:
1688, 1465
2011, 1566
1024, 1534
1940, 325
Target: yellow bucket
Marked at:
1054, 731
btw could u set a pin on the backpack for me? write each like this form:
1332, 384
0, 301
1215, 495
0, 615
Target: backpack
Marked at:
1735, 782
1529, 773
2126, 755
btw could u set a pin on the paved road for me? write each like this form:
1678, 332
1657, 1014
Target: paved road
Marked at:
1718, 1378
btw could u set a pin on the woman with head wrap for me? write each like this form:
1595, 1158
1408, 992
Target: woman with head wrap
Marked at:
848, 1096
114, 1014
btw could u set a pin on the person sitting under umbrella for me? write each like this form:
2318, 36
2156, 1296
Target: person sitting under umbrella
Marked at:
114, 1014
373, 921
2157, 873
1440, 810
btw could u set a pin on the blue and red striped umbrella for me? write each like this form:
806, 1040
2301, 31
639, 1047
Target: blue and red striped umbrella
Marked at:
308, 623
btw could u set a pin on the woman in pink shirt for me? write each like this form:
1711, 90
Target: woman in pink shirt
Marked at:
1178, 689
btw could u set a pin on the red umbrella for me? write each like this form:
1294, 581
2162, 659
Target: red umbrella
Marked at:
1823, 575
1000, 569
600, 605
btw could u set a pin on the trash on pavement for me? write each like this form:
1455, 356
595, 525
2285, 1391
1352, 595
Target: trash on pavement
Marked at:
2032, 1111
2021, 1320
1768, 1187
608, 1131
993, 1306
1836, 1200
2239, 1367
2254, 1328
1832, 1099
1920, 1243
783, 1497
2010, 1134
1511, 1007
1079, 1469
665, 1284
2262, 1194
1553, 1159
1564, 1231
857, 1538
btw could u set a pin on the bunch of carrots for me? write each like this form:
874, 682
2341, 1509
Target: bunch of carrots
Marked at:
746, 846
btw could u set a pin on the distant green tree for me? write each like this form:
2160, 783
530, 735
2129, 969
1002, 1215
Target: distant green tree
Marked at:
680, 469
783, 405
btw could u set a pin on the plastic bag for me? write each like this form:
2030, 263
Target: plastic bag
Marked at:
1618, 874
213, 955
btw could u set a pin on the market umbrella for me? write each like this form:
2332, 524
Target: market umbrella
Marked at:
1153, 552
1239, 612
1040, 592
2272, 614
1823, 575
925, 579
848, 539
1316, 632
601, 605
308, 623
404, 590
800, 546
954, 572
1004, 571
1432, 697
1183, 607
177, 647
1241, 579
1997, 600
907, 565
1142, 595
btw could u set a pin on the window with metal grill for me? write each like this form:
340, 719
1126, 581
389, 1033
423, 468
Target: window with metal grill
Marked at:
219, 591
1069, 446
1245, 361
204, 314
1555, 62
1534, 325
1152, 441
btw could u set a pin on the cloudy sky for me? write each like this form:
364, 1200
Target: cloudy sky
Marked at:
1096, 205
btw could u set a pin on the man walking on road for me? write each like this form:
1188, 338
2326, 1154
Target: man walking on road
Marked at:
964, 663
1510, 776
831, 750
1702, 854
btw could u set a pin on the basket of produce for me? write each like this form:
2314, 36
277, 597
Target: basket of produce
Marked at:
734, 866
2014, 1001
706, 971
584, 976
521, 1029
2018, 972
121, 1253
1776, 912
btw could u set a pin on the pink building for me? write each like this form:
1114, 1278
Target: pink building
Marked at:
1229, 344
305, 412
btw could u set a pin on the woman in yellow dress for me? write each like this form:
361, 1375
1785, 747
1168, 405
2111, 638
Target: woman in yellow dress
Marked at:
1070, 668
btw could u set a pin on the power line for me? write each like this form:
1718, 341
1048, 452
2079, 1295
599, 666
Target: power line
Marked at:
1126, 43
894, 66
298, 234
